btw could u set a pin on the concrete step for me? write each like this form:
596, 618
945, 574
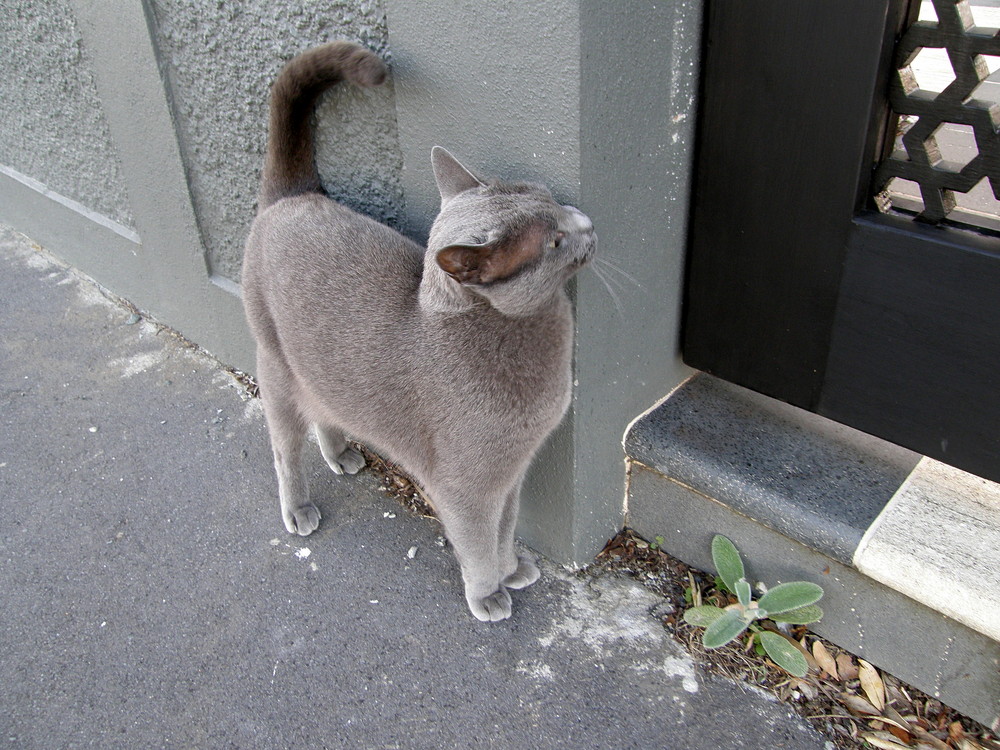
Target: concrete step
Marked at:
907, 549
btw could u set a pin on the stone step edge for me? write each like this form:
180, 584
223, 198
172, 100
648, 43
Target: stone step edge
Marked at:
936, 539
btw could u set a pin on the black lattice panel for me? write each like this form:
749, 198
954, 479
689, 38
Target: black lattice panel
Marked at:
920, 160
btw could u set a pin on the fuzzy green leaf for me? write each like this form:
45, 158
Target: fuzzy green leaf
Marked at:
800, 616
723, 630
784, 654
788, 596
703, 616
743, 592
727, 561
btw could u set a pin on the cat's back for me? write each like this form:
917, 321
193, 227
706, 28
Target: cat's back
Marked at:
320, 258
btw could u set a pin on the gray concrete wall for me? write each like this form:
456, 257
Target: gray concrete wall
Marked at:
54, 129
639, 83
219, 60
597, 100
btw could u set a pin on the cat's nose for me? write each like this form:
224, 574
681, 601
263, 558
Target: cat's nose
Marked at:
577, 220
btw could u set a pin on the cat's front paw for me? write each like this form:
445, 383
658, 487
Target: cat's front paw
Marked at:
492, 608
348, 462
302, 520
525, 575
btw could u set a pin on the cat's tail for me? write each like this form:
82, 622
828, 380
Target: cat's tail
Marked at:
290, 167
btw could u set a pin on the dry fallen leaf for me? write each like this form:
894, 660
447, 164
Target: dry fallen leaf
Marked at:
927, 740
859, 705
871, 683
901, 734
892, 719
805, 687
899, 726
955, 732
695, 591
882, 740
826, 662
846, 667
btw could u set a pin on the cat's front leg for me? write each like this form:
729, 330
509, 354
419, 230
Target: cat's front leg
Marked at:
473, 530
518, 571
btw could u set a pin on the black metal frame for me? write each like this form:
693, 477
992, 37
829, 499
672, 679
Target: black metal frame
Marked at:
921, 160
797, 286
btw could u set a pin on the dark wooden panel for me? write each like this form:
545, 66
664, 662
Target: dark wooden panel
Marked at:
788, 91
915, 353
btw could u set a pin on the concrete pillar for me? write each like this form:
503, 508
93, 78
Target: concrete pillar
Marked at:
596, 100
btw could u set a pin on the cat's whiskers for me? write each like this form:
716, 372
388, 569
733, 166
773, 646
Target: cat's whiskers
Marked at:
614, 295
617, 269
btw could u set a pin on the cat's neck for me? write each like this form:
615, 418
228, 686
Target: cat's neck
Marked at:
439, 294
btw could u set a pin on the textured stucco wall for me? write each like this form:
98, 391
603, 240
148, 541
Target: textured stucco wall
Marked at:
52, 128
497, 84
220, 60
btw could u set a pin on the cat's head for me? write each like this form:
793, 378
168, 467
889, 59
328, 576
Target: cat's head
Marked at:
508, 242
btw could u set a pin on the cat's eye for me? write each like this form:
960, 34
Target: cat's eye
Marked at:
557, 240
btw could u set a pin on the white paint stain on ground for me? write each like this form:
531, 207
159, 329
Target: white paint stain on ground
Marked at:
300, 553
253, 410
674, 666
612, 617
604, 614
30, 254
536, 671
137, 364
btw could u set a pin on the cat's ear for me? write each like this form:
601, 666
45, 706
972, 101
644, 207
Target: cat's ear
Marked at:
492, 261
466, 264
452, 178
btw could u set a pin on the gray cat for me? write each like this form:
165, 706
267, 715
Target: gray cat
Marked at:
454, 361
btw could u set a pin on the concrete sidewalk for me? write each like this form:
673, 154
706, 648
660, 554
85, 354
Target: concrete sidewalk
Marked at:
151, 597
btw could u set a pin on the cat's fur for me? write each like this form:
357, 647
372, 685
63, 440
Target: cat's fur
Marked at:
453, 361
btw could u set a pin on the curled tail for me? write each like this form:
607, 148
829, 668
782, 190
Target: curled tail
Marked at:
290, 167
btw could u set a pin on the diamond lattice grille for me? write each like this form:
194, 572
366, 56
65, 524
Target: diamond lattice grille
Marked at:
928, 117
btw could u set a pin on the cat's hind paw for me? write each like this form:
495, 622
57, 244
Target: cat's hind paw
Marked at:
525, 575
303, 520
492, 608
348, 462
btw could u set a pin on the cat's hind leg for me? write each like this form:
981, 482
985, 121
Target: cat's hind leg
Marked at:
288, 432
339, 457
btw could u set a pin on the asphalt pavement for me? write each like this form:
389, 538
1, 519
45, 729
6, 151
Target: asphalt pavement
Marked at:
150, 597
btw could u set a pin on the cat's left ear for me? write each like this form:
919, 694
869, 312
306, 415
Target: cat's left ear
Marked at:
492, 261
451, 176
467, 264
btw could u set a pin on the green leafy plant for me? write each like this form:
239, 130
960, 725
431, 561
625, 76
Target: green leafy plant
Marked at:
793, 603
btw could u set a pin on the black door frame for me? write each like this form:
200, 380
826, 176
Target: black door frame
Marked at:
797, 286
